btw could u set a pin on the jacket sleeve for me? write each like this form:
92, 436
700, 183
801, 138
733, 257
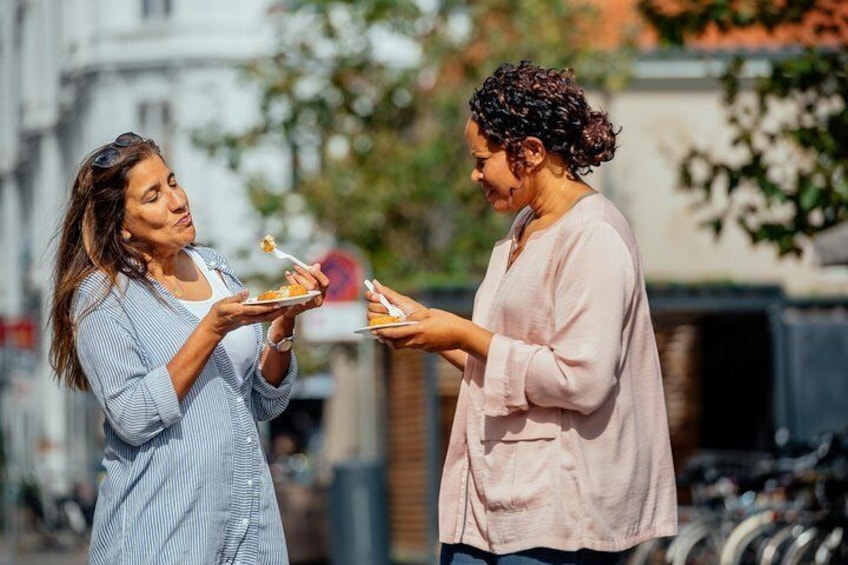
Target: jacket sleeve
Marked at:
138, 402
578, 369
270, 401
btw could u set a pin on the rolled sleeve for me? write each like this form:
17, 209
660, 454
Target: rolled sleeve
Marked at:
163, 395
138, 402
270, 401
504, 378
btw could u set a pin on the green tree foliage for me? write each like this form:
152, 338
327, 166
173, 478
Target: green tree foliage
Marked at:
786, 180
379, 155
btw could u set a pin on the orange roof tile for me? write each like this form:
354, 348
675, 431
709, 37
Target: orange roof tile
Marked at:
621, 17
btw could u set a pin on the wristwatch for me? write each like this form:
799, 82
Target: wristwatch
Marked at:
283, 345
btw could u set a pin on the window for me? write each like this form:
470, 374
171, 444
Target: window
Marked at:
155, 122
155, 9
18, 29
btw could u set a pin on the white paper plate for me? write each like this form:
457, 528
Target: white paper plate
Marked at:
291, 301
366, 331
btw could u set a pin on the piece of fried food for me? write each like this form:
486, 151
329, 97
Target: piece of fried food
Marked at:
268, 244
285, 291
269, 295
384, 319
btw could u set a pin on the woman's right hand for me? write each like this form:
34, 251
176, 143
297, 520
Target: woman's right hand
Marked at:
411, 336
224, 316
231, 313
405, 303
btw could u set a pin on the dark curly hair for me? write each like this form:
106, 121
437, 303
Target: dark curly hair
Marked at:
523, 101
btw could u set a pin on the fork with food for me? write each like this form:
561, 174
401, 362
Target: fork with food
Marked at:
394, 314
269, 245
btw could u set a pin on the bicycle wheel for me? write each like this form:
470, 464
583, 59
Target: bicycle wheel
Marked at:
651, 552
802, 548
774, 549
831, 550
739, 547
698, 545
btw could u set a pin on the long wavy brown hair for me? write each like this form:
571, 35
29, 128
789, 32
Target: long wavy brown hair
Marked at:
90, 240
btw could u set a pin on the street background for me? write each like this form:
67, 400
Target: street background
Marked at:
337, 127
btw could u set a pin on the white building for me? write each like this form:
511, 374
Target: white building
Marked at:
74, 74
670, 106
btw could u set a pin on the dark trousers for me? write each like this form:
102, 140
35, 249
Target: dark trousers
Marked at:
461, 554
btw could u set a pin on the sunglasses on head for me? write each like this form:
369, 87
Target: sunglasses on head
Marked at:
108, 156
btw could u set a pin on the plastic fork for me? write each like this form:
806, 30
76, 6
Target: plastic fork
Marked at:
393, 310
286, 256
270, 246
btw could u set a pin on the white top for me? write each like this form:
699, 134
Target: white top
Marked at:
240, 344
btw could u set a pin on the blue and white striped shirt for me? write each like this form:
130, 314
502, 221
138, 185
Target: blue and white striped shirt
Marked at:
186, 482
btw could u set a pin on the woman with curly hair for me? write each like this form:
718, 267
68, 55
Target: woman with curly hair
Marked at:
559, 451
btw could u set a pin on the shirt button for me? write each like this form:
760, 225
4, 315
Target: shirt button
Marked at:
250, 482
244, 522
249, 440
241, 399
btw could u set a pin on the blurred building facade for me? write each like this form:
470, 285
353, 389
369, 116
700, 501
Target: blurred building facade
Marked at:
73, 75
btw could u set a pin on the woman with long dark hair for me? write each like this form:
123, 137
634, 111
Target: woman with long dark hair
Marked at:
157, 328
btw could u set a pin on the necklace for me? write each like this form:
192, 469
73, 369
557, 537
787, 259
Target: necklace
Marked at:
515, 249
157, 271
173, 288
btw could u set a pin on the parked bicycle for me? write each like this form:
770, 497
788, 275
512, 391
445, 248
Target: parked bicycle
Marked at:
761, 509
63, 521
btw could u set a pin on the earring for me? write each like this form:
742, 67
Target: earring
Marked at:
126, 236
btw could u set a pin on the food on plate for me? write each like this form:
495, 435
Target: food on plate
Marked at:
285, 291
384, 319
268, 244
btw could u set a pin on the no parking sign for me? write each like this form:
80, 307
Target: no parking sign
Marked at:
346, 275
344, 308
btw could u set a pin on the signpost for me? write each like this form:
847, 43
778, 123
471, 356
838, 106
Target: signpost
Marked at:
358, 491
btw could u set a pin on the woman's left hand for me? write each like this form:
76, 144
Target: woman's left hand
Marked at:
311, 279
434, 330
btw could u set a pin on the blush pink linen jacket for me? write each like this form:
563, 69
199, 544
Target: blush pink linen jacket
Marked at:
560, 439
